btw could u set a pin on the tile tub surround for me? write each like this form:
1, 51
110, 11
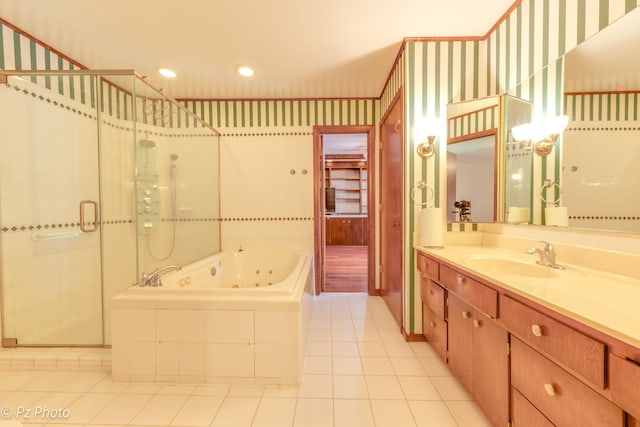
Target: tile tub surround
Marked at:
205, 336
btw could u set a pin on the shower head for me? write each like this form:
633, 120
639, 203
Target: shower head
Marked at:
174, 157
147, 143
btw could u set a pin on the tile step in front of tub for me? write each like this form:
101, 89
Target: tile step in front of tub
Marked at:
52, 359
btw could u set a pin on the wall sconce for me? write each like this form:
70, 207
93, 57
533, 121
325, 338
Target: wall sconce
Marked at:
543, 135
427, 148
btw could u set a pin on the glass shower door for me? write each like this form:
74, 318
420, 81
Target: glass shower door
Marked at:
49, 193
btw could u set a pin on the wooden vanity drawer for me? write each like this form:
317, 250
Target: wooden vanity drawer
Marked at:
475, 293
428, 266
625, 384
562, 398
580, 353
435, 331
433, 295
525, 414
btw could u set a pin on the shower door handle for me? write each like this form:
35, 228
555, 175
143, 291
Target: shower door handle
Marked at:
83, 227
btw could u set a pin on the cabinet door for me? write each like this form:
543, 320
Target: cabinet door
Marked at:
345, 231
435, 331
490, 366
460, 342
527, 415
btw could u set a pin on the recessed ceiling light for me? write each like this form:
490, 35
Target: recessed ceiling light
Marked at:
245, 71
167, 73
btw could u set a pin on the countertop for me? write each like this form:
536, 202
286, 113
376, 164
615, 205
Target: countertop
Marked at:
604, 301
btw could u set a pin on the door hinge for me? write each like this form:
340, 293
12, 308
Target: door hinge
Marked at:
510, 424
380, 268
508, 348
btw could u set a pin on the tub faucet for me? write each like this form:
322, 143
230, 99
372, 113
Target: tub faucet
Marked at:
154, 278
547, 255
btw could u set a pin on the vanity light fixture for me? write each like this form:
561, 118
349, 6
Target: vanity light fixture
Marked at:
245, 71
427, 148
170, 74
543, 135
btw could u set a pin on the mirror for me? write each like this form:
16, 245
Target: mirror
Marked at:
595, 178
474, 168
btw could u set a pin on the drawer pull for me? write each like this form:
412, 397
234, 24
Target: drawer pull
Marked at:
461, 280
476, 323
466, 314
550, 389
432, 324
536, 330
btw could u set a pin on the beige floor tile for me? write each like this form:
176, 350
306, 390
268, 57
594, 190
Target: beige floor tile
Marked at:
49, 381
159, 411
347, 366
86, 407
177, 389
346, 335
280, 392
313, 413
345, 349
275, 412
122, 409
377, 366
319, 349
19, 379
82, 381
392, 413
467, 414
398, 349
249, 390
372, 349
384, 387
320, 335
418, 388
318, 365
423, 349
236, 411
108, 386
450, 388
351, 413
350, 387
198, 411
431, 414
316, 386
407, 366
435, 367
211, 390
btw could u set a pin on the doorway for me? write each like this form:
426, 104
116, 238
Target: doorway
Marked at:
344, 224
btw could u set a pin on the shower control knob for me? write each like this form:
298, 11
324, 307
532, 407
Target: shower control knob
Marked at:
147, 192
147, 200
147, 208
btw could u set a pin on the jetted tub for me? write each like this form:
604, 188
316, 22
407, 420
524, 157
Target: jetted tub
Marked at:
238, 317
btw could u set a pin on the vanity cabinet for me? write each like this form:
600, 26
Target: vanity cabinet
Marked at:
558, 395
478, 357
434, 310
522, 362
346, 230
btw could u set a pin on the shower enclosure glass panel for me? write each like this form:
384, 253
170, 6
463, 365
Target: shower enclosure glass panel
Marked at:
102, 178
49, 200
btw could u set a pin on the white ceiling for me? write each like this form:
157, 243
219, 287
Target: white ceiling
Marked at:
299, 48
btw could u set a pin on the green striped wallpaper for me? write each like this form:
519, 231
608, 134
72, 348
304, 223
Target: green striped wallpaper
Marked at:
616, 107
477, 121
283, 112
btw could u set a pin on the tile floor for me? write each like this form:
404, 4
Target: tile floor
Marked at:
359, 372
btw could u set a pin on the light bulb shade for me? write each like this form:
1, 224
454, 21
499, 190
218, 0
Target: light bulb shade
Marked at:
522, 132
555, 125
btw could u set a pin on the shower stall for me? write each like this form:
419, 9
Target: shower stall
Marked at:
102, 177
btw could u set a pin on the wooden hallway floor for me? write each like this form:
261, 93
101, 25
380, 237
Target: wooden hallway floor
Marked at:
345, 269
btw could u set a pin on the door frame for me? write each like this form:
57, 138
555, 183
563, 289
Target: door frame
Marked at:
319, 202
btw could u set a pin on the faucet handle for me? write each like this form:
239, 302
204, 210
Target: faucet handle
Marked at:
547, 246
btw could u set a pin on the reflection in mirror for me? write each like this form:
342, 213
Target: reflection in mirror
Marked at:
518, 164
601, 147
471, 160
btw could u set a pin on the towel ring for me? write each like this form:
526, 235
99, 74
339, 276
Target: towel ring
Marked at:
421, 185
548, 183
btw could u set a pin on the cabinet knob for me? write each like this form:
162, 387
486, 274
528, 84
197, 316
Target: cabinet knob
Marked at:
550, 389
476, 323
430, 291
466, 314
461, 280
536, 330
432, 324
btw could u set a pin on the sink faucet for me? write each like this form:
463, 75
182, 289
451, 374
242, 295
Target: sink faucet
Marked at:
154, 278
547, 255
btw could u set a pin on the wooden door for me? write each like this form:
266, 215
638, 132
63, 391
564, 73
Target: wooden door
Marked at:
391, 141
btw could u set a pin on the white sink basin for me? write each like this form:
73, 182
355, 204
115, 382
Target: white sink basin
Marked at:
512, 267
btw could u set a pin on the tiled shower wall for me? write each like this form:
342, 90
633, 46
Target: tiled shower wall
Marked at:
607, 124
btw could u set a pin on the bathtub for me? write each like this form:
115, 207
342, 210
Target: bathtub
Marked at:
238, 317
